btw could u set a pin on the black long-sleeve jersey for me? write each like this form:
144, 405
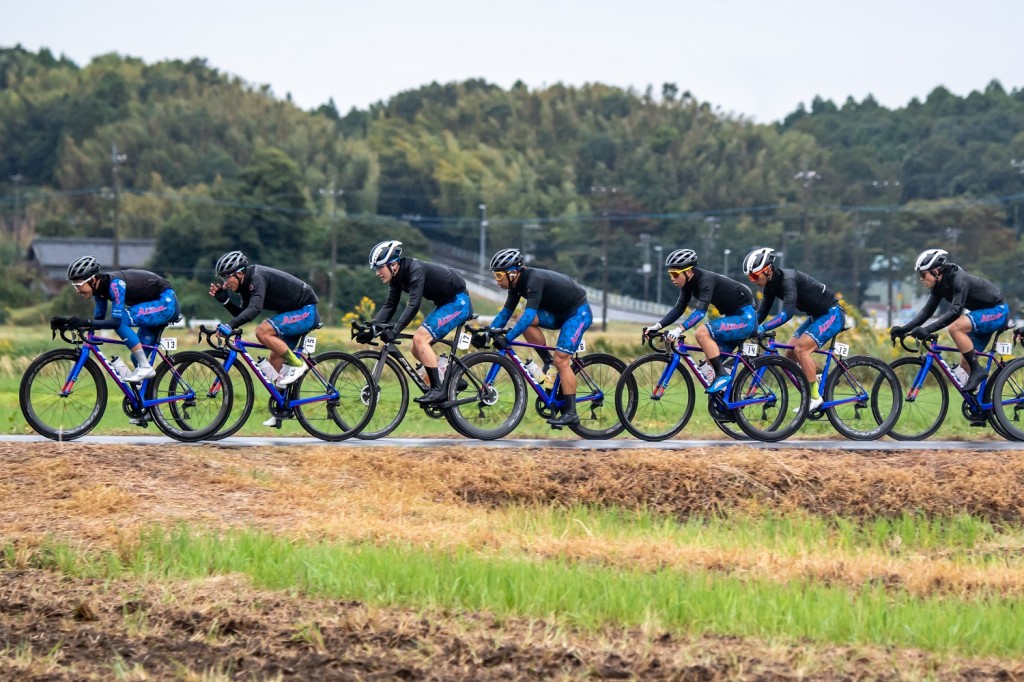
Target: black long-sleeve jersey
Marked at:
264, 288
437, 283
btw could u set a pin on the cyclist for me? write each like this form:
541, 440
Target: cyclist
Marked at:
731, 298
437, 283
139, 298
553, 301
799, 292
970, 331
247, 290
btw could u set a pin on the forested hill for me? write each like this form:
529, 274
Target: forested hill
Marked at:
572, 174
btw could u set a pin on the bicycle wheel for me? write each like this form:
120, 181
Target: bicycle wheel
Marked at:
340, 417
658, 412
778, 393
597, 375
48, 410
874, 393
242, 395
485, 410
923, 408
198, 417
392, 396
1008, 398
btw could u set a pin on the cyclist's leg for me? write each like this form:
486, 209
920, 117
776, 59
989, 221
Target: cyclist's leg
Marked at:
971, 333
568, 341
438, 324
281, 334
153, 314
723, 333
812, 335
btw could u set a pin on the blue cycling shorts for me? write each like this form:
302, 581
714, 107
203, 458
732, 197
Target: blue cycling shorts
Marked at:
986, 322
730, 330
447, 317
823, 328
572, 326
292, 325
150, 315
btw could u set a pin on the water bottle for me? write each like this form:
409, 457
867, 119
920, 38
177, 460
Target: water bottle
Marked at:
961, 374
535, 370
267, 369
119, 367
422, 371
707, 371
442, 365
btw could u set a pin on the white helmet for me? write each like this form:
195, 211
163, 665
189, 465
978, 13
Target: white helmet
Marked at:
384, 253
758, 260
931, 258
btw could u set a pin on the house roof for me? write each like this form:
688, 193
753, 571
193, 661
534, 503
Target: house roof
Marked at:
58, 252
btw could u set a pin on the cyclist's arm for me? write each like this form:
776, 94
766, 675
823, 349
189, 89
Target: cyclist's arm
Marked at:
417, 280
505, 314
706, 291
926, 311
117, 296
524, 321
956, 306
255, 307
677, 310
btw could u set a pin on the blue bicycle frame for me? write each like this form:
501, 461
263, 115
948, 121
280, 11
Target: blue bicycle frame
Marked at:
237, 348
549, 398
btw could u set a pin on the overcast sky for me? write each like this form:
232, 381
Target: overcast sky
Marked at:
755, 58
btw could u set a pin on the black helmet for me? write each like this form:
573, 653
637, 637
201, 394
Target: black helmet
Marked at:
758, 260
506, 258
681, 259
84, 268
230, 262
384, 253
931, 258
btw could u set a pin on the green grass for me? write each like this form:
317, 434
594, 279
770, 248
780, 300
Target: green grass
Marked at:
583, 595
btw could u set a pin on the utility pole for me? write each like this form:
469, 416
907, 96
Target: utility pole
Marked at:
16, 179
116, 160
658, 249
645, 267
335, 194
483, 238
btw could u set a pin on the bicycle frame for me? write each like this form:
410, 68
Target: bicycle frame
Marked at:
548, 397
238, 348
681, 352
831, 356
932, 355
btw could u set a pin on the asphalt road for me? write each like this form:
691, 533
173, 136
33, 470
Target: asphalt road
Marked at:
241, 442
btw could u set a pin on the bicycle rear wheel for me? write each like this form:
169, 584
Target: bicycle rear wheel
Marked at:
242, 395
923, 409
597, 375
657, 412
874, 393
346, 414
780, 394
1008, 399
57, 416
485, 410
392, 396
196, 418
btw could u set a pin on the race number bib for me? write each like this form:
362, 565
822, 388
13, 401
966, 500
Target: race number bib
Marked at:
169, 343
842, 350
309, 344
582, 348
465, 338
750, 349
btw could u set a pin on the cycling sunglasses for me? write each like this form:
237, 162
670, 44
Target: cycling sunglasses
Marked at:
675, 273
79, 285
754, 276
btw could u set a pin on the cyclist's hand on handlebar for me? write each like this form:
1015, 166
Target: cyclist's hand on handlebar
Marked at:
75, 322
499, 340
387, 334
760, 332
650, 330
896, 332
920, 333
223, 329
674, 333
363, 336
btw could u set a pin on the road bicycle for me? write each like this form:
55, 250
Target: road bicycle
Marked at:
862, 395
766, 395
596, 377
391, 374
924, 379
63, 393
327, 400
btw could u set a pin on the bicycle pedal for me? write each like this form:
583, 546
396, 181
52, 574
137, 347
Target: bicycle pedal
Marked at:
978, 424
556, 427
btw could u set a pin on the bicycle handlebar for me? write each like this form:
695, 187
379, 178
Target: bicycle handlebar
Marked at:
213, 337
63, 325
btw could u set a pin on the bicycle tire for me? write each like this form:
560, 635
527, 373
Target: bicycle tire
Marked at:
1008, 399
60, 417
657, 414
392, 396
775, 381
242, 395
863, 375
343, 417
924, 412
597, 375
192, 419
497, 408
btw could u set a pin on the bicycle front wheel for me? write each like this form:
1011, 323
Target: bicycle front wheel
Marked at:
597, 375
52, 407
924, 406
650, 405
1008, 398
193, 418
242, 395
870, 394
342, 416
392, 391
776, 394
485, 409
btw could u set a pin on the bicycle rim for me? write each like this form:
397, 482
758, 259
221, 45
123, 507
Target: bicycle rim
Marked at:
492, 409
190, 419
923, 412
597, 375
56, 416
242, 395
1008, 399
874, 394
392, 396
779, 387
654, 413
340, 417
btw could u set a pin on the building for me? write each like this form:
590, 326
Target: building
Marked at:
50, 256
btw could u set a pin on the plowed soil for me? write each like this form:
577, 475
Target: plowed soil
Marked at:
56, 628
